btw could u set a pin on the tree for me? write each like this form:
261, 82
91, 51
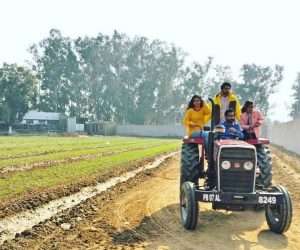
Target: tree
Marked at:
129, 80
102, 61
258, 83
295, 109
17, 92
162, 70
59, 72
169, 66
195, 79
134, 80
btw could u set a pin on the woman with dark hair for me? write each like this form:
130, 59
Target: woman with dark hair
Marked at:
251, 120
196, 115
247, 105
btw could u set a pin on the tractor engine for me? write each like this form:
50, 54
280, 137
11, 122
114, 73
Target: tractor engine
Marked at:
235, 163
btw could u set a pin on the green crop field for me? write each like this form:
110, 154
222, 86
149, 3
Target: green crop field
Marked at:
40, 162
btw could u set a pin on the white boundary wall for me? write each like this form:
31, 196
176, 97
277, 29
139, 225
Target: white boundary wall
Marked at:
282, 134
286, 135
151, 130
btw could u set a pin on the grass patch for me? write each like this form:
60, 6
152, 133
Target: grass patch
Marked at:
18, 147
98, 151
21, 183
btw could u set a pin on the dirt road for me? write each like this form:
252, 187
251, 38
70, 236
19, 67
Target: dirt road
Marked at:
144, 214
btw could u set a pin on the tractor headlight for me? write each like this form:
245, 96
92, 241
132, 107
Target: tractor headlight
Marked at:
248, 165
225, 165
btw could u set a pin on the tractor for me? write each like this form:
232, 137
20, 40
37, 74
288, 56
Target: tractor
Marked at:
238, 176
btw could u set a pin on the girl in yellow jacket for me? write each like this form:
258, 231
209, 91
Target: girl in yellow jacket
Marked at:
196, 116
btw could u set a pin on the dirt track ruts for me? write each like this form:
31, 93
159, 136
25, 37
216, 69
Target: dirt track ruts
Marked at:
144, 214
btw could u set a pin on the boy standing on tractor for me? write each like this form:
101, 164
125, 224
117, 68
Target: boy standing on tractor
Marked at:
225, 100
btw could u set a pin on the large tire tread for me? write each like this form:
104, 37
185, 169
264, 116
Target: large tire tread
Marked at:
264, 162
286, 211
190, 169
192, 206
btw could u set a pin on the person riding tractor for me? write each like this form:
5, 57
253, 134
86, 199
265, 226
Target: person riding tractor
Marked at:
225, 100
199, 113
251, 120
232, 129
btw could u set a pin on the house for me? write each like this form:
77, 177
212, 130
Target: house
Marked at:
44, 121
50, 121
42, 118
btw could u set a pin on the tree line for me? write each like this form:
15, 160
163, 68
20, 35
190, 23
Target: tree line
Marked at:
121, 79
295, 108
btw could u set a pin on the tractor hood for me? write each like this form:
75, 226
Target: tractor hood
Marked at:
219, 144
234, 143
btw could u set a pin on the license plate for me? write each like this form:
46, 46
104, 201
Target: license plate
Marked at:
211, 197
267, 200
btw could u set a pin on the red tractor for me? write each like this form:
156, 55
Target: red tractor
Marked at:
238, 177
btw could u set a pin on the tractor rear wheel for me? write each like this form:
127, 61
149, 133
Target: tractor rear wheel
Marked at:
279, 217
190, 169
264, 162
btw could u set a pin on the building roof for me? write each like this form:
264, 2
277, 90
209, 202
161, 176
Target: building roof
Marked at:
36, 115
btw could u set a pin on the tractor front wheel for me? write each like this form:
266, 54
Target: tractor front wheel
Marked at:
279, 217
189, 207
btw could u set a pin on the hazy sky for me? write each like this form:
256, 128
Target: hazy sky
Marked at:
233, 32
